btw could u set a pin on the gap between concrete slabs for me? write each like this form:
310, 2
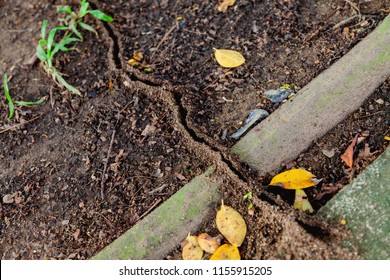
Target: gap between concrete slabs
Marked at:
167, 226
365, 206
320, 105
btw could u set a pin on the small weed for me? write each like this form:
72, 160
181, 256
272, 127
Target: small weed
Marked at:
249, 197
47, 48
74, 20
8, 97
20, 103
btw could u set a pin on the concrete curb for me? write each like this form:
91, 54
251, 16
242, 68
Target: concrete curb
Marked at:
168, 225
365, 206
320, 105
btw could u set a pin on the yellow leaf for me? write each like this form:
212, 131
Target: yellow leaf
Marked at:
294, 179
387, 138
133, 62
229, 58
207, 243
226, 252
224, 4
301, 202
138, 56
231, 225
191, 250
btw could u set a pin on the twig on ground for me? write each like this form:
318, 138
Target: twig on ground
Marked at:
21, 124
162, 40
345, 22
150, 209
102, 182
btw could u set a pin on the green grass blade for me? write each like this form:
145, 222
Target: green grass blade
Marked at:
87, 27
62, 28
41, 53
84, 9
43, 29
50, 41
100, 15
31, 103
43, 43
62, 45
64, 9
8, 97
65, 84
73, 27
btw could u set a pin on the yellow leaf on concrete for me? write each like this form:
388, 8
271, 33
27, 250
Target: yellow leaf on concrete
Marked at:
191, 250
294, 179
231, 224
224, 4
228, 58
207, 243
226, 252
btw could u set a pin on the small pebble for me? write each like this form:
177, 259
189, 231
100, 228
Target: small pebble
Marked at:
288, 37
8, 198
380, 101
329, 153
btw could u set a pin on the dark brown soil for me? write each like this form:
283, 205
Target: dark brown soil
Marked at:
83, 170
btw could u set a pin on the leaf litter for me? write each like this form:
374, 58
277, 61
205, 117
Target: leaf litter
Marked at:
231, 225
347, 157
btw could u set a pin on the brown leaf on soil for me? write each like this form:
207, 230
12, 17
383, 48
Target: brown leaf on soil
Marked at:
347, 157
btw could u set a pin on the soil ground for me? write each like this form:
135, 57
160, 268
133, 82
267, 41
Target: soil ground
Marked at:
139, 137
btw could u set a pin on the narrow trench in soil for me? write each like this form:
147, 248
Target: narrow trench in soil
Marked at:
176, 96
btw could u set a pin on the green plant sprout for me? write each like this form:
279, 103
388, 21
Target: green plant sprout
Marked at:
47, 48
11, 105
249, 197
74, 20
8, 97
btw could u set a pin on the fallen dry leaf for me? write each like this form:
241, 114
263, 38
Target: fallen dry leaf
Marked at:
208, 243
295, 179
191, 250
347, 157
231, 224
228, 58
226, 252
224, 4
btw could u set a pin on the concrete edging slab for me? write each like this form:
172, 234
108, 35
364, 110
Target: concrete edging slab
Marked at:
365, 206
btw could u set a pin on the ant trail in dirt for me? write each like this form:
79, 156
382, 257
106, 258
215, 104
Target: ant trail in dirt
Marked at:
183, 118
115, 45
